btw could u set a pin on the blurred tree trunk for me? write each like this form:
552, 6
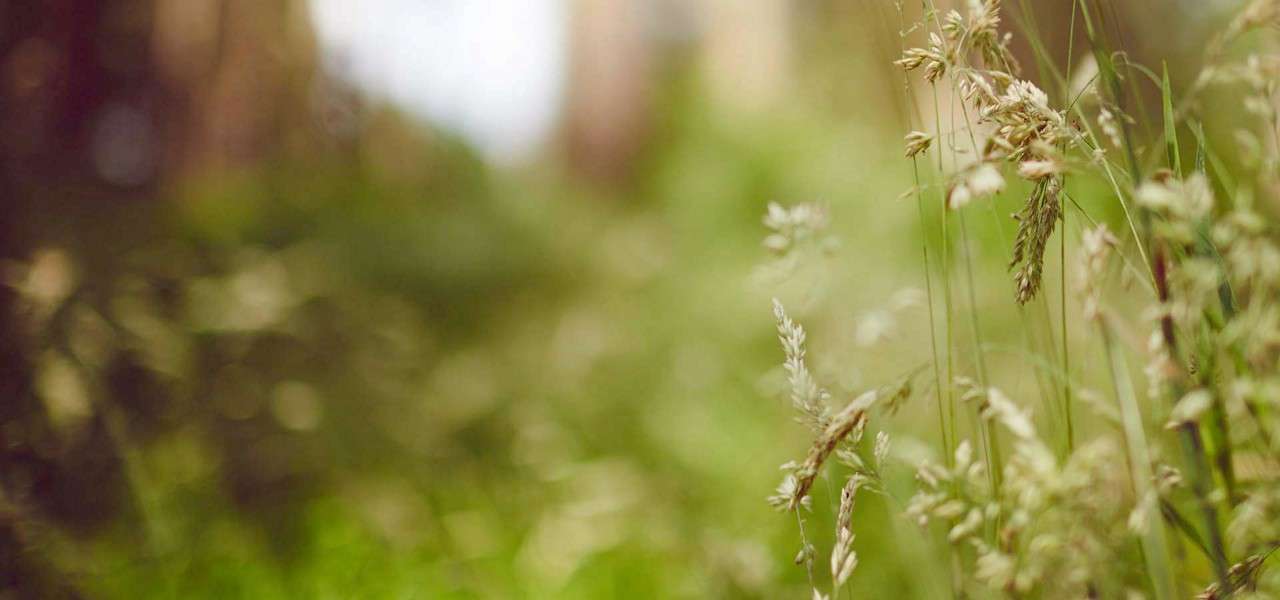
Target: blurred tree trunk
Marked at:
103, 105
611, 87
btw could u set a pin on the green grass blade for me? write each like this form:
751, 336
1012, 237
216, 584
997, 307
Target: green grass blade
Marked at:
1155, 547
1170, 126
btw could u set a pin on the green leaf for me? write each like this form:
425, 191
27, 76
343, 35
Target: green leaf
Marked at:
1170, 126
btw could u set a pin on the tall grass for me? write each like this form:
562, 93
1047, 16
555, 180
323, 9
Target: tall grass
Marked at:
1120, 493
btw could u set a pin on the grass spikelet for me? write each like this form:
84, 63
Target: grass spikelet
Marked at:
806, 397
838, 428
843, 559
917, 142
1036, 222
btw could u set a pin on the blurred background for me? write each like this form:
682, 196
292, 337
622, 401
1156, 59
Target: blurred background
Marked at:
451, 298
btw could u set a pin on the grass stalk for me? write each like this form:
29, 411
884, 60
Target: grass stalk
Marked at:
1189, 434
948, 441
1066, 346
1155, 547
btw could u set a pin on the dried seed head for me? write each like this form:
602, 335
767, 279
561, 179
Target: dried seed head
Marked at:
1189, 199
1035, 170
933, 59
805, 394
917, 142
1098, 243
843, 558
881, 451
1024, 122
785, 493
985, 181
1036, 222
1084, 79
839, 427
1241, 576
1110, 127
806, 554
965, 528
953, 25
959, 196
982, 180
791, 226
1003, 410
1259, 13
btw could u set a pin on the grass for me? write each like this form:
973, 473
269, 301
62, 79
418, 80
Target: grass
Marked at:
1037, 523
472, 383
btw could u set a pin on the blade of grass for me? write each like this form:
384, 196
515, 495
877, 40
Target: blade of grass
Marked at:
1170, 126
1155, 547
1111, 79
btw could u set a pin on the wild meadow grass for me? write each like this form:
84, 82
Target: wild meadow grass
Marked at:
1141, 461
1046, 369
